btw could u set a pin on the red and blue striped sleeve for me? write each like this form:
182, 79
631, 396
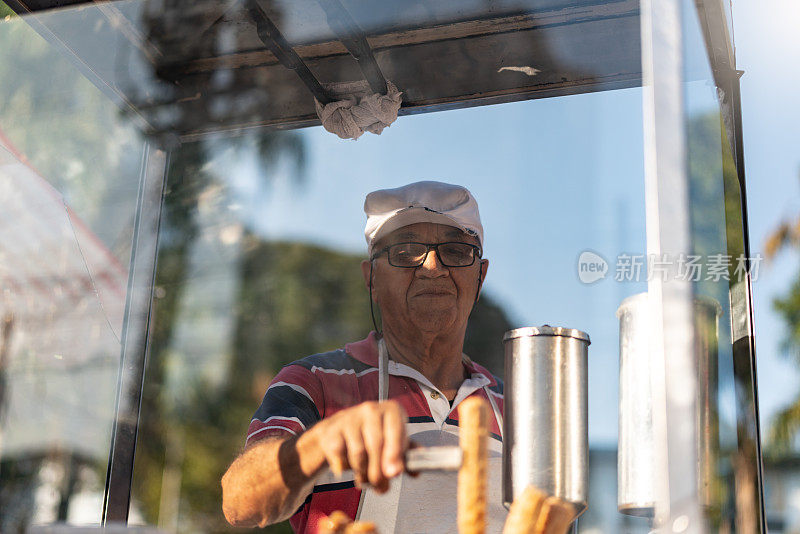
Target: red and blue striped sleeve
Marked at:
293, 402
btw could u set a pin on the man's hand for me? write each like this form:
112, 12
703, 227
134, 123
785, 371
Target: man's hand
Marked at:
369, 438
268, 482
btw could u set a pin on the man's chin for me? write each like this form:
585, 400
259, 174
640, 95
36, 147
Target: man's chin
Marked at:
433, 321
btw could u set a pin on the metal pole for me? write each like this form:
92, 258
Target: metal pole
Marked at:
353, 38
751, 503
270, 35
141, 278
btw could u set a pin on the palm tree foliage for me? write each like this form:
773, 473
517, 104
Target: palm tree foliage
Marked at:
785, 426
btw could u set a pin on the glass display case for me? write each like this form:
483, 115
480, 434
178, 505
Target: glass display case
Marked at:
178, 225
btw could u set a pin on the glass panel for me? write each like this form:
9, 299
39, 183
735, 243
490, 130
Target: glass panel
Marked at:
729, 484
262, 232
69, 174
259, 265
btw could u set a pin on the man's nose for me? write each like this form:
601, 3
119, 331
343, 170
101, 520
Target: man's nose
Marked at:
432, 267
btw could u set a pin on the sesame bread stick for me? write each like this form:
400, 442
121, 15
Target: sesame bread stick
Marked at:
524, 511
472, 477
555, 517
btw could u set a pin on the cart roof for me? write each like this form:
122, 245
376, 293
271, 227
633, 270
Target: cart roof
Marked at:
191, 68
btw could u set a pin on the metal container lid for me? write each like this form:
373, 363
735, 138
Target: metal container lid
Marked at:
631, 302
709, 303
546, 330
638, 299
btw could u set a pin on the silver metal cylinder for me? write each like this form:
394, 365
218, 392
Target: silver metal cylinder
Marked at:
545, 427
635, 455
636, 469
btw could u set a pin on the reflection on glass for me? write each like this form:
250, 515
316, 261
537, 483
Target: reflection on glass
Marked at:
69, 171
260, 238
261, 231
259, 265
232, 306
727, 440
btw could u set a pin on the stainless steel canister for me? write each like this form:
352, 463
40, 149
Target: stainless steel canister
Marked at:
636, 454
545, 440
636, 469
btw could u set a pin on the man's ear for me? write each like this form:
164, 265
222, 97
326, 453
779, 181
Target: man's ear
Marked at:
366, 268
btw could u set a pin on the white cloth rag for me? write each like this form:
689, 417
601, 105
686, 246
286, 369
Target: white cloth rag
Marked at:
357, 109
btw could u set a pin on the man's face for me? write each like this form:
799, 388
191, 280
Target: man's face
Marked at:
431, 297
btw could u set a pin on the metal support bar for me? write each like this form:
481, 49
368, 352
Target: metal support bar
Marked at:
141, 279
744, 350
722, 57
272, 38
441, 458
352, 37
735, 111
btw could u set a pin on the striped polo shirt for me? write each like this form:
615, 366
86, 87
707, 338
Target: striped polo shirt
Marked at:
318, 386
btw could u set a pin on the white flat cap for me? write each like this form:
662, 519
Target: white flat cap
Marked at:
432, 202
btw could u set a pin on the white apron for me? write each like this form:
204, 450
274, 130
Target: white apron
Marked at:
427, 503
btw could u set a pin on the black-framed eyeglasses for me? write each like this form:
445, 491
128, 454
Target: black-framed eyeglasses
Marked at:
412, 254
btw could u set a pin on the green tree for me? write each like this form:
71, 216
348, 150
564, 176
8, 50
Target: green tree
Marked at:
185, 434
784, 429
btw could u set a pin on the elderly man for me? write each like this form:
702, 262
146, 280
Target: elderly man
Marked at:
333, 428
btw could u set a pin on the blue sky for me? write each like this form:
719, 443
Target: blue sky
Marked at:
768, 50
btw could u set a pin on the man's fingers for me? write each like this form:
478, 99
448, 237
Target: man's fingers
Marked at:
372, 430
335, 452
370, 440
356, 453
395, 441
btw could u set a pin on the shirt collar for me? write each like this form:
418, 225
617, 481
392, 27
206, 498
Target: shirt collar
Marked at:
366, 351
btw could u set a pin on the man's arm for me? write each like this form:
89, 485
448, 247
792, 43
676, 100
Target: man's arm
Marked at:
270, 480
